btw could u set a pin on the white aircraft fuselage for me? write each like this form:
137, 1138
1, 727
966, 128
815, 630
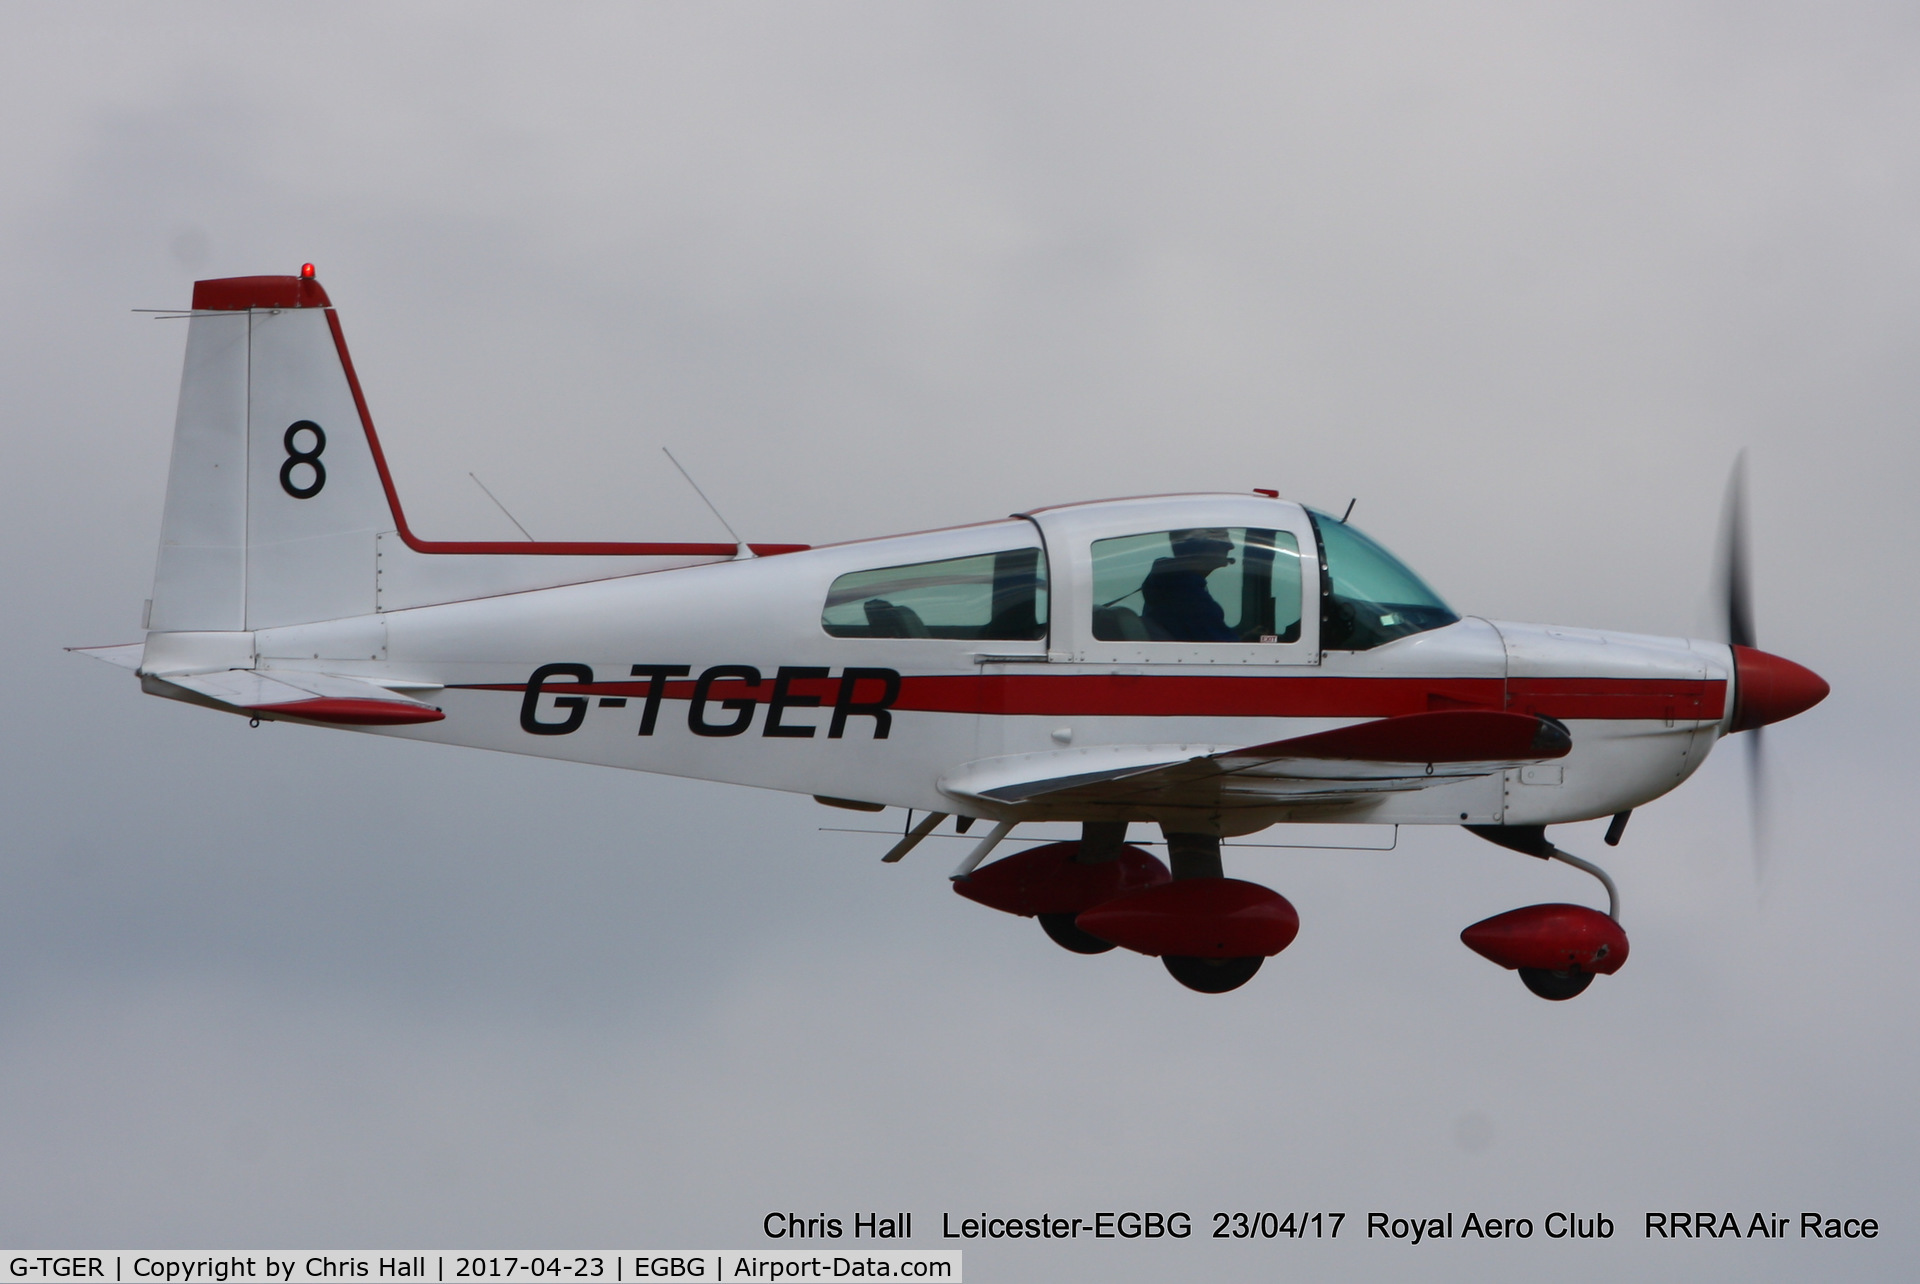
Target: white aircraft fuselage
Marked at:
1212, 664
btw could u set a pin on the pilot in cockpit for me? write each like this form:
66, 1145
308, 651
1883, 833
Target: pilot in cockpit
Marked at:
1177, 606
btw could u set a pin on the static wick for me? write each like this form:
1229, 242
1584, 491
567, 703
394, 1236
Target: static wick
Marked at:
745, 550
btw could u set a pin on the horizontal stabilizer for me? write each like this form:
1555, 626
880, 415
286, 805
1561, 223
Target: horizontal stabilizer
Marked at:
127, 655
310, 697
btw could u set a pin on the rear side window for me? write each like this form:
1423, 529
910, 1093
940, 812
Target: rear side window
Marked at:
998, 597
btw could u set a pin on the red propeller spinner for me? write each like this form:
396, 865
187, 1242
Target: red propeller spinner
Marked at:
1768, 688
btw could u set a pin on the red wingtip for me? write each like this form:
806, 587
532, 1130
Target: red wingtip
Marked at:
1768, 689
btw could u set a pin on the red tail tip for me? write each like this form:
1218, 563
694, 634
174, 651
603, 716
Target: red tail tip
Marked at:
306, 270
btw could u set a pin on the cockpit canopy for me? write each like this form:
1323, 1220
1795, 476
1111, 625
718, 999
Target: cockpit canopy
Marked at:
1368, 596
1179, 579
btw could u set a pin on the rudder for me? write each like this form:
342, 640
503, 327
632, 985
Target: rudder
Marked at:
274, 501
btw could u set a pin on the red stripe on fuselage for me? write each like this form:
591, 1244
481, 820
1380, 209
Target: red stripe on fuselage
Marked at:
1156, 696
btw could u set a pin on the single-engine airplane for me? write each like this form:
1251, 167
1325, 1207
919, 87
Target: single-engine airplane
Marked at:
1210, 664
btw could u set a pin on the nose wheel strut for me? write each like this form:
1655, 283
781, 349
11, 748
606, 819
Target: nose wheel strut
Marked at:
1613, 893
1532, 841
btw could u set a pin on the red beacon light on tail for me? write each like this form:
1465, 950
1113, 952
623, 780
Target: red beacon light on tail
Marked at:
306, 271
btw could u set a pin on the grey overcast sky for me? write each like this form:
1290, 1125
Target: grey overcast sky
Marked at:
1520, 278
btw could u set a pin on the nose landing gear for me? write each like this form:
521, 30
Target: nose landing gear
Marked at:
1555, 986
1557, 949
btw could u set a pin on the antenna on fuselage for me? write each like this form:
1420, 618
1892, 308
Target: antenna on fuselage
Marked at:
502, 507
746, 550
1349, 513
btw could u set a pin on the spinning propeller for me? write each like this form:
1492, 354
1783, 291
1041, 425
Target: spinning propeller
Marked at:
1766, 687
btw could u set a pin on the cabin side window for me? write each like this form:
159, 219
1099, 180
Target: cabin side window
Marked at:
1208, 584
999, 597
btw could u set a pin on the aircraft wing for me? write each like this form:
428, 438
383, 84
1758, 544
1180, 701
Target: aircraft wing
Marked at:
312, 697
1387, 755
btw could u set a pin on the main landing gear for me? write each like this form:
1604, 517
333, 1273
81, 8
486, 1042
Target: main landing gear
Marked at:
1211, 932
1064, 932
1557, 949
1212, 976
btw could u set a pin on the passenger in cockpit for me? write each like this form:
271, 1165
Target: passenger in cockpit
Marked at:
1178, 607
